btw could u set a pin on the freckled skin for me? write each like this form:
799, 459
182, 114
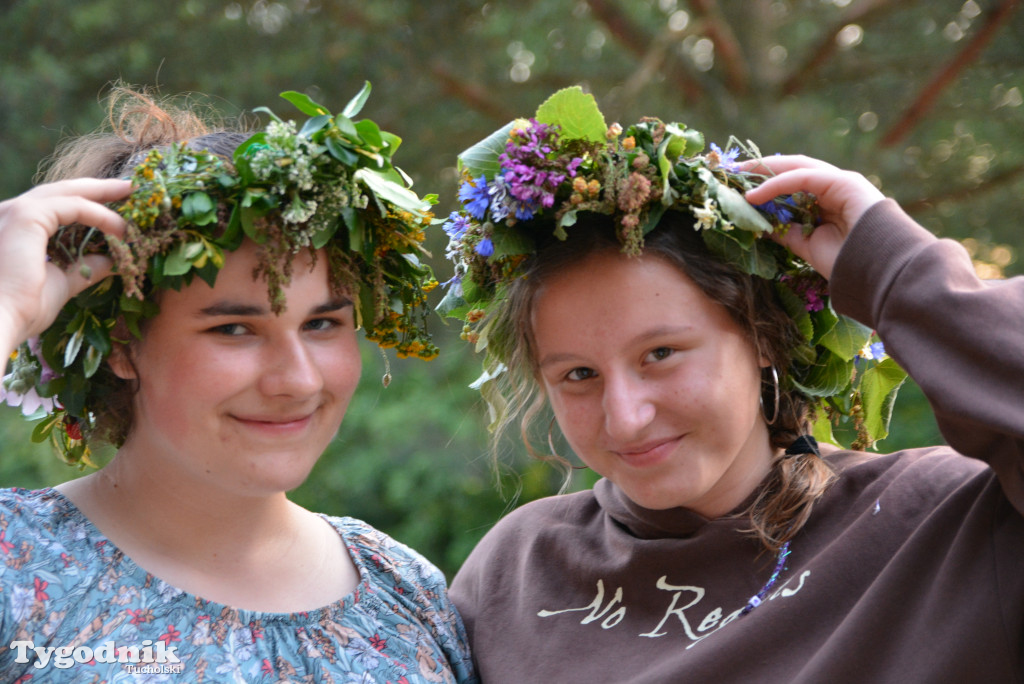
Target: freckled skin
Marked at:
652, 383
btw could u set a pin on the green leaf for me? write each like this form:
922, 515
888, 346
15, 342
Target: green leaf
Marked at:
315, 124
821, 430
826, 379
340, 152
846, 338
684, 142
304, 104
356, 103
755, 259
391, 143
388, 190
73, 346
354, 224
451, 304
482, 158
179, 259
370, 133
576, 113
878, 388
510, 242
93, 358
734, 206
199, 208
42, 430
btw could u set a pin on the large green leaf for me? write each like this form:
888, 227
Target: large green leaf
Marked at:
846, 338
826, 379
482, 158
576, 112
878, 389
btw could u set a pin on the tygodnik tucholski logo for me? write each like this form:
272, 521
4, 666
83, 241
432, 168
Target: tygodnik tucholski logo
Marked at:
147, 658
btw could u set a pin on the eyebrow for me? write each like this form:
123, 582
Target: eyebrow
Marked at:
238, 309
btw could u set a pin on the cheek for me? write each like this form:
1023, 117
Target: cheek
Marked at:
341, 368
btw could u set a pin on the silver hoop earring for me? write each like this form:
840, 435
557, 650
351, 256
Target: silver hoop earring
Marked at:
775, 413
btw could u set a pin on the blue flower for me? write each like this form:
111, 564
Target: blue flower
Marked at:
485, 247
524, 211
456, 225
475, 196
780, 209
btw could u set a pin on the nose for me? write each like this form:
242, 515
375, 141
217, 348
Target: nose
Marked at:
628, 406
291, 369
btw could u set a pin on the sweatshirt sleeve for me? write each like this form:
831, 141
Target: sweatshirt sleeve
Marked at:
960, 338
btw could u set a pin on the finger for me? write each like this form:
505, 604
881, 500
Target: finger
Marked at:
95, 189
780, 163
87, 271
50, 212
68, 210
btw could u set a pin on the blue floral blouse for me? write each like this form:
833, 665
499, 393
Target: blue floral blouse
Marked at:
75, 608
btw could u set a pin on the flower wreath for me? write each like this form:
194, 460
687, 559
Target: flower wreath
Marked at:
329, 184
539, 174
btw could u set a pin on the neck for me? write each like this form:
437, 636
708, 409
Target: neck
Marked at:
147, 510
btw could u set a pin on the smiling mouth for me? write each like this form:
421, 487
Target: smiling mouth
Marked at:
650, 453
276, 423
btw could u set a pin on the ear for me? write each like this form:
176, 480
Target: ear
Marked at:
120, 362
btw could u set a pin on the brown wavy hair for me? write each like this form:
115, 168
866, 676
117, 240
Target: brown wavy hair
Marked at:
795, 482
137, 121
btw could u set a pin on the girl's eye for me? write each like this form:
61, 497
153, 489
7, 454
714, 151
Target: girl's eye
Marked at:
229, 329
321, 324
660, 354
580, 374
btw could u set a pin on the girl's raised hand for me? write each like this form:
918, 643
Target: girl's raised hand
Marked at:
843, 197
32, 290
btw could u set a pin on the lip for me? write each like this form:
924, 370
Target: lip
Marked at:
649, 453
271, 425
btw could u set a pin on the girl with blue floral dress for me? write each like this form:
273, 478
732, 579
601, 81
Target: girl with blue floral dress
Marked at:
219, 360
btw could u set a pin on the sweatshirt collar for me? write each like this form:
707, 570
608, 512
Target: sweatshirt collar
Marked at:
644, 522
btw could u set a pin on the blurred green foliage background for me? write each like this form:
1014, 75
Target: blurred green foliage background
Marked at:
925, 98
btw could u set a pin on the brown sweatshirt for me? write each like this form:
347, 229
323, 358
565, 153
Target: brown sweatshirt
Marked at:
910, 569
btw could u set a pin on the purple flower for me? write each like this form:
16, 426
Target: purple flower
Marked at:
727, 160
485, 247
46, 374
474, 194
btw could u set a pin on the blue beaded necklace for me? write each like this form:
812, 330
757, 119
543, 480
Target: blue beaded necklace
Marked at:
758, 598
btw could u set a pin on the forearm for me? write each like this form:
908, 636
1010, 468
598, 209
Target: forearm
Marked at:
957, 336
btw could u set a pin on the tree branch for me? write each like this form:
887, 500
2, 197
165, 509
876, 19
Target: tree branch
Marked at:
928, 95
470, 94
863, 12
637, 41
995, 182
727, 46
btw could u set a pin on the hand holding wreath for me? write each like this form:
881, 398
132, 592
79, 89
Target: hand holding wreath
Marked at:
32, 290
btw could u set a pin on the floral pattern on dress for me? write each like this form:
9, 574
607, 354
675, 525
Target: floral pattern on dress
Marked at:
63, 583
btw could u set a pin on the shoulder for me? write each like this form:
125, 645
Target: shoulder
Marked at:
40, 514
379, 555
937, 462
919, 478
